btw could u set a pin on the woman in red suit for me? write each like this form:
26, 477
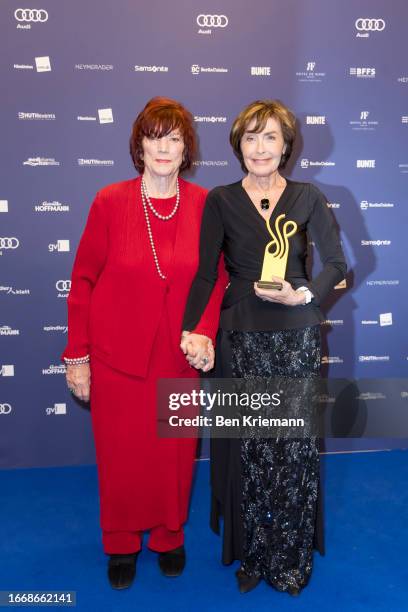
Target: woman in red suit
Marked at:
135, 263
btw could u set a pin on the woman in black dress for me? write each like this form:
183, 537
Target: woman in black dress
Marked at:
266, 490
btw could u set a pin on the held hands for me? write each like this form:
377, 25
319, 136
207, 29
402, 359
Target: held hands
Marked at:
199, 351
79, 380
287, 295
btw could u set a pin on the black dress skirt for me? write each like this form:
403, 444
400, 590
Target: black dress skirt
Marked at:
267, 491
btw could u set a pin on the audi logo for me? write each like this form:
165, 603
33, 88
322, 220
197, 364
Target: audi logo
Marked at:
5, 408
35, 15
9, 243
63, 285
212, 21
370, 25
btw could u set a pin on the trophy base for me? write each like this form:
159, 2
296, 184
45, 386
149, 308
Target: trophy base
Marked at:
269, 285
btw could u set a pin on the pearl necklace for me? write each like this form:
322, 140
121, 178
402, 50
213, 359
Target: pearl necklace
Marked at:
152, 208
145, 202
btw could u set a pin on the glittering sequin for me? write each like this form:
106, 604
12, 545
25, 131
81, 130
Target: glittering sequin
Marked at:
280, 477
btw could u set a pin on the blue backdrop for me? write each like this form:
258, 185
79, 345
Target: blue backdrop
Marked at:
75, 74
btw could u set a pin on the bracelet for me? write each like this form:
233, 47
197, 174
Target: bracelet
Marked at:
77, 360
308, 294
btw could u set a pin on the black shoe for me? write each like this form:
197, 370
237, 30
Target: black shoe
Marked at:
172, 562
122, 570
294, 591
246, 583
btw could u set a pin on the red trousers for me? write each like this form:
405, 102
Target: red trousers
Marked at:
144, 481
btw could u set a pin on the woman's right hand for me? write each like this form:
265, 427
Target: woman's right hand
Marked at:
79, 380
199, 351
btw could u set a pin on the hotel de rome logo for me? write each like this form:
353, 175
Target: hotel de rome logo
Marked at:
365, 26
310, 74
364, 123
206, 23
26, 17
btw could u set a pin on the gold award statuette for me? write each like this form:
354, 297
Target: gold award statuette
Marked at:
276, 253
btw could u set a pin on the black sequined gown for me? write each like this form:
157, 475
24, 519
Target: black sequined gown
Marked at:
267, 489
267, 492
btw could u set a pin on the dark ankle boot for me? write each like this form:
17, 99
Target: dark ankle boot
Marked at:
172, 562
246, 583
122, 570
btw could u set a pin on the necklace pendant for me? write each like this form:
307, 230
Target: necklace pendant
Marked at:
264, 203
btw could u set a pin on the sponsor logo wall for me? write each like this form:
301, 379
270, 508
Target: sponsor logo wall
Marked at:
67, 112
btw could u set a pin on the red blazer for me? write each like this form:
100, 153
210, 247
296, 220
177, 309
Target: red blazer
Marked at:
117, 296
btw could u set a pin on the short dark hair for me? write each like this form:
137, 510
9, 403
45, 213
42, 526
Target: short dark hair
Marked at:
159, 117
261, 111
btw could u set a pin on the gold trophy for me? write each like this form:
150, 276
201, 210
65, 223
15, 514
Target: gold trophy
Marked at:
276, 253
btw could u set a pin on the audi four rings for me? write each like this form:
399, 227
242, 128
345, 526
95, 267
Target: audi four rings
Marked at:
9, 243
5, 408
34, 15
63, 285
370, 25
212, 21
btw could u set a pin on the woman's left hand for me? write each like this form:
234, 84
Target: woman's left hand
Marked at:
287, 295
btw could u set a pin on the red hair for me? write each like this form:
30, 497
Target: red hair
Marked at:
159, 117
